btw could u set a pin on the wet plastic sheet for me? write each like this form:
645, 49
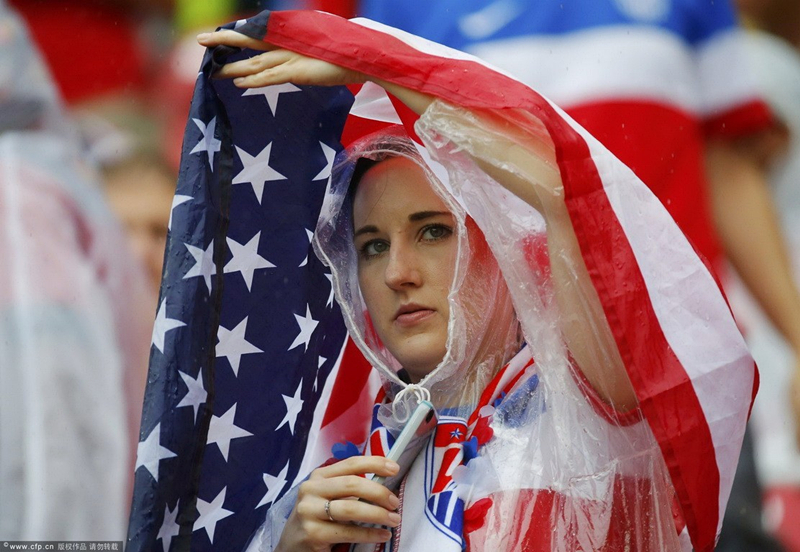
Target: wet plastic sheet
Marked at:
564, 469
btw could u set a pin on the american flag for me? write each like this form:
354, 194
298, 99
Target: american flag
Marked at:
248, 340
247, 332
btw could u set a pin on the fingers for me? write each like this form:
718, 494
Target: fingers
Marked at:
310, 533
276, 66
351, 500
227, 37
258, 70
344, 479
356, 465
338, 532
347, 486
346, 511
254, 66
357, 511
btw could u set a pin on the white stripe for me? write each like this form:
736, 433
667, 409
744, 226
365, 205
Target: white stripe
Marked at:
451, 506
692, 313
318, 446
720, 58
430, 48
610, 63
416, 42
313, 456
686, 543
372, 103
384, 435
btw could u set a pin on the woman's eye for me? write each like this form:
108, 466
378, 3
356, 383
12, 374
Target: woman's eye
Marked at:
436, 232
374, 248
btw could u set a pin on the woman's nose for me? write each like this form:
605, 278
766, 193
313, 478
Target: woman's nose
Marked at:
402, 268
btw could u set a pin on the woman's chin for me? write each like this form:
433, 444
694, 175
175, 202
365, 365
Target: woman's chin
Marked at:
419, 353
418, 368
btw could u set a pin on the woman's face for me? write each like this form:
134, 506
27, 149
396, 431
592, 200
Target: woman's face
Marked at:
406, 245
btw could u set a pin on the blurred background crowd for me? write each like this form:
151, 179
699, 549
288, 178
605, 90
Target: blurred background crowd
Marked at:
94, 97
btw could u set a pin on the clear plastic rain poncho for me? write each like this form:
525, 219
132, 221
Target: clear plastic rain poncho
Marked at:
560, 470
483, 329
73, 336
586, 287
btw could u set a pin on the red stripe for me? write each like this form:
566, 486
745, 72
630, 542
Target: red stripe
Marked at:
350, 380
376, 444
486, 395
491, 390
463, 82
536, 512
355, 127
345, 8
407, 116
665, 391
516, 378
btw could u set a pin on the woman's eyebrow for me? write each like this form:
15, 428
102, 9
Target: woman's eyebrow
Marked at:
413, 217
368, 229
422, 215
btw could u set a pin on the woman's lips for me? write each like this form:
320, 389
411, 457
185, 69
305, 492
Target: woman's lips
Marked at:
411, 318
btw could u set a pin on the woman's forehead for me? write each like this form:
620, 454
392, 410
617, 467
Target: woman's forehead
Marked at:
392, 185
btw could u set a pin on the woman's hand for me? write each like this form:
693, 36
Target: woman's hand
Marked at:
351, 499
276, 66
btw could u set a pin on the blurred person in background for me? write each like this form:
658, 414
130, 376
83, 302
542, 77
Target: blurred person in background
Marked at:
140, 190
73, 344
105, 57
117, 99
773, 45
123, 36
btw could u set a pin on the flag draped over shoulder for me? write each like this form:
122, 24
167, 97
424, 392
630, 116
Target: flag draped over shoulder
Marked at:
252, 377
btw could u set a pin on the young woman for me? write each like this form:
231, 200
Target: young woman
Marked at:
452, 281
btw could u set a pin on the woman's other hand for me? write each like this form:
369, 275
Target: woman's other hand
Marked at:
275, 66
351, 499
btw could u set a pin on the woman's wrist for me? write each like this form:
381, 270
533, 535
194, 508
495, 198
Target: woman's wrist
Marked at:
415, 101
